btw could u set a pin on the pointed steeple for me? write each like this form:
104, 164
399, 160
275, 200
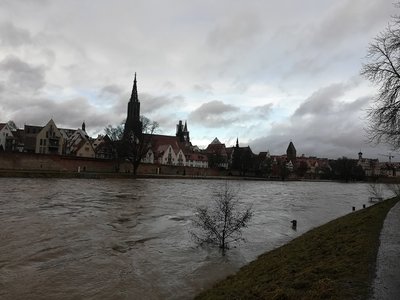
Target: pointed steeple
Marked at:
291, 152
134, 95
83, 126
185, 129
237, 142
133, 125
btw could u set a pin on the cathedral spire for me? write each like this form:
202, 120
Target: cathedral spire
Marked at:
133, 125
237, 142
185, 128
134, 95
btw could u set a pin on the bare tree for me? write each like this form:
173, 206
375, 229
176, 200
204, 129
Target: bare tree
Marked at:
375, 191
394, 188
383, 69
135, 148
222, 223
115, 135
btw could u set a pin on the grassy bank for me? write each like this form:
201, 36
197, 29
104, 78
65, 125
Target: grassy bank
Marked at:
333, 261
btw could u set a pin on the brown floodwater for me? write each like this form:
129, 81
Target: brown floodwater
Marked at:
130, 239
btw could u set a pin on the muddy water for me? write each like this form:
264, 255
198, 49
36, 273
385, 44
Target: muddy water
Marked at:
129, 239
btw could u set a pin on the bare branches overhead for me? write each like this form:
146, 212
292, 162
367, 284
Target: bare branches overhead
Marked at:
383, 69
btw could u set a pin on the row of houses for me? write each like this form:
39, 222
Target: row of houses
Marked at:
49, 139
164, 150
178, 151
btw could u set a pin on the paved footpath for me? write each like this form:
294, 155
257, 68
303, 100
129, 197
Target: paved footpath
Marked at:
387, 282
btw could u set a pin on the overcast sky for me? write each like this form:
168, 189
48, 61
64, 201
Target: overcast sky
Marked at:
268, 72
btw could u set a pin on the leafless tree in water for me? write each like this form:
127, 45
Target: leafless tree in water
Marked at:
221, 224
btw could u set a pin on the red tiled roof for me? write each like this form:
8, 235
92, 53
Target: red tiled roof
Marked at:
161, 140
217, 148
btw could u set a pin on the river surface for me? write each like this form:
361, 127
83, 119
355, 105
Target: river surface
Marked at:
130, 239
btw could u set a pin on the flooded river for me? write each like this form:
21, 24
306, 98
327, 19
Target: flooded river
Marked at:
129, 239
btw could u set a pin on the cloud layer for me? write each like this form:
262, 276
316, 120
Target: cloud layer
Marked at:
266, 72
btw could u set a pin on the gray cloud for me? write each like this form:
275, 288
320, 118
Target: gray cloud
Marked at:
263, 111
203, 88
235, 29
322, 126
321, 101
111, 89
213, 114
345, 20
13, 36
151, 103
70, 113
22, 75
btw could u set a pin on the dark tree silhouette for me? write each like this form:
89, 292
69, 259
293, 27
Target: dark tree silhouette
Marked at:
115, 136
302, 169
347, 170
383, 69
222, 223
133, 148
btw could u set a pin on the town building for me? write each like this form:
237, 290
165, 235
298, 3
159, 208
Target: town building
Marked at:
49, 139
7, 140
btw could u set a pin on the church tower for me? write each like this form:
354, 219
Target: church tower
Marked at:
291, 152
182, 132
133, 125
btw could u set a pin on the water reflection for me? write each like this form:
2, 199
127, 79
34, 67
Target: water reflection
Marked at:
129, 239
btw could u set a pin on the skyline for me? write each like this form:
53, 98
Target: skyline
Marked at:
265, 73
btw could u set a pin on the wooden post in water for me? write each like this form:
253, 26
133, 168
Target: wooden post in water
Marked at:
294, 224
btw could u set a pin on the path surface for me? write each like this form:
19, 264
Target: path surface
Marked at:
387, 282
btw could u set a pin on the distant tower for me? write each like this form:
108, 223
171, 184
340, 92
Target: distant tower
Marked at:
182, 132
83, 126
360, 155
236, 156
291, 152
133, 125
186, 133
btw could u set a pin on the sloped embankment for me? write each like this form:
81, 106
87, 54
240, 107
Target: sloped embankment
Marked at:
333, 261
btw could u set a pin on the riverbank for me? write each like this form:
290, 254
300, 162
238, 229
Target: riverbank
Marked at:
105, 175
334, 261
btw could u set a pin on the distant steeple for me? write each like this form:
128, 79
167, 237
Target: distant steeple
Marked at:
185, 129
133, 125
134, 95
291, 152
237, 142
83, 126
360, 155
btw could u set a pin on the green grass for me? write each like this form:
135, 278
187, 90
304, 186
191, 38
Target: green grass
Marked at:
333, 261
